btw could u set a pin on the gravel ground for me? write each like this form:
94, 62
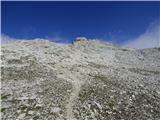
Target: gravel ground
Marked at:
86, 80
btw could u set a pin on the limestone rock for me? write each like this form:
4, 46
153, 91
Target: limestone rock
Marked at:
91, 79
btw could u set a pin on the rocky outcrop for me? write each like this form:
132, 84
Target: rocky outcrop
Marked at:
89, 80
81, 39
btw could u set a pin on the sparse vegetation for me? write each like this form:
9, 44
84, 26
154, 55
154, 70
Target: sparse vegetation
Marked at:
36, 118
2, 109
144, 71
23, 108
84, 81
4, 96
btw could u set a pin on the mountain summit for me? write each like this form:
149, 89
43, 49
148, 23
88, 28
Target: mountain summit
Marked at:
86, 80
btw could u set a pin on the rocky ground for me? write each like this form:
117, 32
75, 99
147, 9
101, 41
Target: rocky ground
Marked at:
86, 80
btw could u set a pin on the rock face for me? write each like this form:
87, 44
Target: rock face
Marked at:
81, 39
89, 80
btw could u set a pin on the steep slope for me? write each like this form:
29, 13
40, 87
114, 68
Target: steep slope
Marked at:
86, 80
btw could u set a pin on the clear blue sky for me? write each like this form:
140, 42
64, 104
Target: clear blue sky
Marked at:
116, 21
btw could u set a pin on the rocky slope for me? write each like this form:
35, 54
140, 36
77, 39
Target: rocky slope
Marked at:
86, 80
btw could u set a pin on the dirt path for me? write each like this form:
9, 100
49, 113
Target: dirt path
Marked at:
73, 97
76, 83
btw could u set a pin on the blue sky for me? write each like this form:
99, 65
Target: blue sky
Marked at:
63, 21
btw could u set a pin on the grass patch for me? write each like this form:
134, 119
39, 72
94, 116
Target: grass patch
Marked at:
23, 108
3, 97
3, 109
36, 118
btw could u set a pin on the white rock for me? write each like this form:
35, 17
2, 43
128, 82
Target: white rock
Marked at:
133, 96
30, 112
98, 105
21, 116
81, 38
158, 92
55, 110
